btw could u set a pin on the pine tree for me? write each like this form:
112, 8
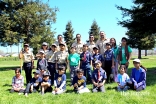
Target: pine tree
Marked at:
68, 35
95, 29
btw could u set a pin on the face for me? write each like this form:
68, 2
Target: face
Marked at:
108, 46
54, 48
95, 50
122, 69
102, 35
79, 75
42, 55
78, 37
36, 75
62, 47
124, 42
44, 46
98, 65
136, 64
60, 38
42, 71
17, 73
72, 50
85, 48
91, 38
112, 41
46, 78
26, 48
61, 71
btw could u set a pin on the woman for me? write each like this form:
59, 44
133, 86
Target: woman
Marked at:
43, 48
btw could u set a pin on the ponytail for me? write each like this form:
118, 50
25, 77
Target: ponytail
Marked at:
143, 67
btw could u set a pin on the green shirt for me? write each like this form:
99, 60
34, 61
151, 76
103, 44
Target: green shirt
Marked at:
124, 60
74, 59
115, 50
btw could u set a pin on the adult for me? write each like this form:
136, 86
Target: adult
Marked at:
101, 43
124, 53
114, 48
44, 48
60, 41
28, 61
91, 44
78, 44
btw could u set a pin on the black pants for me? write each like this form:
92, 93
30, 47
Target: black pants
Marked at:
28, 70
108, 69
27, 90
52, 70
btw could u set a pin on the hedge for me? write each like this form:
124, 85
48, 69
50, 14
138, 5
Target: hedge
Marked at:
9, 59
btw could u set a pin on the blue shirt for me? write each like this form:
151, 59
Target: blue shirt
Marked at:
80, 82
97, 57
34, 81
88, 58
102, 75
41, 62
109, 55
59, 79
49, 81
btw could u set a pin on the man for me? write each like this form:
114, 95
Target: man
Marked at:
91, 44
78, 44
101, 43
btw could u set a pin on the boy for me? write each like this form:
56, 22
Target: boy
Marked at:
109, 62
79, 82
98, 78
34, 84
74, 63
60, 81
46, 83
86, 62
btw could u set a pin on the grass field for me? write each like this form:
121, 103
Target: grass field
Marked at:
111, 96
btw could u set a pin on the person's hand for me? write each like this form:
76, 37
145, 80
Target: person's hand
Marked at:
79, 89
75, 85
95, 84
127, 63
100, 84
31, 89
112, 66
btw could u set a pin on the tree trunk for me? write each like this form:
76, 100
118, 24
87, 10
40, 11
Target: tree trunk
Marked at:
139, 53
145, 52
11, 48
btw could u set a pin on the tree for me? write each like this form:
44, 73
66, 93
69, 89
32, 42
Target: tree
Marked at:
27, 20
139, 32
95, 29
68, 35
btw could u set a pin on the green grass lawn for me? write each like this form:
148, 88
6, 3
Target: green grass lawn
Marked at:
111, 96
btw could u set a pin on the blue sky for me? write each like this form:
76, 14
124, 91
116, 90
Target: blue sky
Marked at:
82, 13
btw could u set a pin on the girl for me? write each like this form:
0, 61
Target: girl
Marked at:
17, 82
60, 81
114, 48
123, 79
138, 76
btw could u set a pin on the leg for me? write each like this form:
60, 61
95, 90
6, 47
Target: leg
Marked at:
28, 88
125, 88
116, 71
102, 88
94, 89
89, 73
72, 71
12, 90
60, 91
139, 88
42, 90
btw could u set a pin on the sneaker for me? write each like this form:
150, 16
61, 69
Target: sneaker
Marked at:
19, 93
26, 94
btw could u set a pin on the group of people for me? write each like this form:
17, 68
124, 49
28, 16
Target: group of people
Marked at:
92, 62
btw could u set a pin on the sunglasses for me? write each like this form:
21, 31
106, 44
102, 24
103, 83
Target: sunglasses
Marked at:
91, 37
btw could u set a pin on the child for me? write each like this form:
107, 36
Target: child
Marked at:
46, 83
42, 61
138, 76
109, 62
98, 78
34, 84
60, 81
74, 63
17, 82
96, 56
42, 70
123, 79
79, 82
86, 62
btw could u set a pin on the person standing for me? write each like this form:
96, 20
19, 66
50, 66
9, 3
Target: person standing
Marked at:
91, 44
124, 53
43, 48
28, 61
101, 43
78, 44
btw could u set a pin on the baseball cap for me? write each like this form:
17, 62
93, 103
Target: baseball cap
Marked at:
54, 45
61, 67
96, 48
42, 51
73, 47
36, 72
44, 43
26, 45
46, 73
97, 61
62, 44
136, 60
85, 45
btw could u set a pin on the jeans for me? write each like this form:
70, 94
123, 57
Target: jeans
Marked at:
28, 71
87, 72
73, 72
27, 90
96, 89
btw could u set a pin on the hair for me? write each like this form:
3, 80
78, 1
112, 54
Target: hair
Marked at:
80, 71
18, 69
46, 48
122, 67
77, 35
143, 67
114, 43
59, 36
124, 38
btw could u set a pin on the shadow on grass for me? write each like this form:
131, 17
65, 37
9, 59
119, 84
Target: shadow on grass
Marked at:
8, 68
6, 85
141, 58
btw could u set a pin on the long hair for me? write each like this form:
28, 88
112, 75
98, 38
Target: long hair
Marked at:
114, 43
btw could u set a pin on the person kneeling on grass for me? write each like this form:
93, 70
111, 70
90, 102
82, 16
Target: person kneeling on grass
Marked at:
17, 82
98, 78
138, 76
46, 83
123, 79
60, 81
34, 84
79, 82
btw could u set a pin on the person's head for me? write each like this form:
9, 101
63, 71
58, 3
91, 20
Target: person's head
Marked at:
72, 50
17, 72
78, 37
113, 42
62, 46
91, 37
136, 63
85, 47
60, 38
80, 73
96, 49
46, 76
108, 46
124, 41
98, 64
44, 46
122, 69
42, 54
54, 47
36, 74
61, 69
26, 47
102, 35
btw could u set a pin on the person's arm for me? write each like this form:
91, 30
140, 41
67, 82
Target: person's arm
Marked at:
22, 82
13, 82
49, 83
143, 79
64, 82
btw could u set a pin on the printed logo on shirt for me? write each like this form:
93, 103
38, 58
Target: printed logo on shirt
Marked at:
94, 59
80, 82
59, 78
73, 59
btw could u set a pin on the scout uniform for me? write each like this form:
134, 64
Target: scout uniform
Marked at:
90, 47
102, 45
58, 48
78, 47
